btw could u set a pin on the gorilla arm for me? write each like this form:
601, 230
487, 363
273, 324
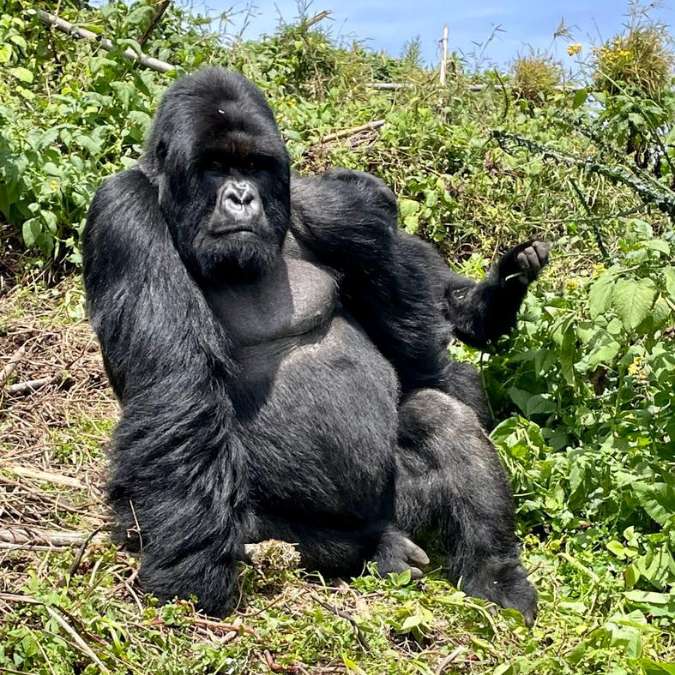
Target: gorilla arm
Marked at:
399, 287
177, 467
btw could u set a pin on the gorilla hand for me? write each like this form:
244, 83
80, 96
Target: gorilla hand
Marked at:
524, 262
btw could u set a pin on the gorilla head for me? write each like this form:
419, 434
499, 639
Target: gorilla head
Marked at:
223, 174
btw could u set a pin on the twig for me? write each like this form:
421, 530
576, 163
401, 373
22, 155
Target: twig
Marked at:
45, 476
29, 538
6, 372
347, 617
375, 124
58, 616
76, 32
154, 22
448, 660
77, 638
313, 20
30, 386
80, 553
594, 223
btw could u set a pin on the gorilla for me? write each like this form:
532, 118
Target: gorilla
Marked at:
279, 351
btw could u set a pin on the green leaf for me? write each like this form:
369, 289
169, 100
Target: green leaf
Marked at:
657, 499
658, 245
600, 294
31, 230
5, 53
632, 300
22, 74
657, 667
669, 274
580, 96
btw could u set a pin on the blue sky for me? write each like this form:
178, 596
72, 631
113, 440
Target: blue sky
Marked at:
389, 24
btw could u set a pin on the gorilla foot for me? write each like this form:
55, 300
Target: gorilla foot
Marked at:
505, 583
397, 553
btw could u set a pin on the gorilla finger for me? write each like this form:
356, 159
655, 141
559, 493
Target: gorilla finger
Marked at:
533, 259
523, 262
415, 554
542, 248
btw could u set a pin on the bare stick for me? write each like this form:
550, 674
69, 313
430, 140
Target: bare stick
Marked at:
77, 638
6, 372
154, 22
444, 55
313, 20
344, 133
45, 476
70, 29
29, 538
80, 553
30, 386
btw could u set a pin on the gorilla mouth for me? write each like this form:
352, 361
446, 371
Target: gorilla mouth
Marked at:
221, 231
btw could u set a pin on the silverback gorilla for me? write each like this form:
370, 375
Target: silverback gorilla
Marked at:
278, 348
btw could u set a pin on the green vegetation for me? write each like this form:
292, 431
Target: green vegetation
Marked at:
585, 388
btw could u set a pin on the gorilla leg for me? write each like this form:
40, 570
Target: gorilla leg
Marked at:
451, 482
343, 551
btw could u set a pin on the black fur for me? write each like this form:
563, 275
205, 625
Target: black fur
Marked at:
289, 378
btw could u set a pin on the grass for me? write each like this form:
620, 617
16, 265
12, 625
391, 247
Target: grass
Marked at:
79, 610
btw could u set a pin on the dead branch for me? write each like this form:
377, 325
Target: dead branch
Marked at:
82, 33
30, 538
77, 638
313, 20
28, 387
154, 22
45, 476
14, 361
344, 133
80, 554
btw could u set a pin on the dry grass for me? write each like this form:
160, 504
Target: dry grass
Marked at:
48, 479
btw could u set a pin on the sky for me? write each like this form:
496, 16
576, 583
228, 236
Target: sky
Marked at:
388, 24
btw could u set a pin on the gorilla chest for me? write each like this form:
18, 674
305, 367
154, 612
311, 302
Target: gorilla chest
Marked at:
288, 304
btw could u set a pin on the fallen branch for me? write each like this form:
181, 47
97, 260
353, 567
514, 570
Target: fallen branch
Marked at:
28, 387
344, 133
59, 615
14, 361
82, 33
13, 538
45, 476
77, 638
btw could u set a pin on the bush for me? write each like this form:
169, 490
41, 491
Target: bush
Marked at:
535, 77
640, 62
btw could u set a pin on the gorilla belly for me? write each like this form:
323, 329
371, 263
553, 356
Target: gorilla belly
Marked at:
327, 408
313, 397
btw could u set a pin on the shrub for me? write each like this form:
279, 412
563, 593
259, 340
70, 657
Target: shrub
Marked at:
640, 61
536, 76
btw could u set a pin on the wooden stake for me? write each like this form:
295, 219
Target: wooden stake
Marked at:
444, 55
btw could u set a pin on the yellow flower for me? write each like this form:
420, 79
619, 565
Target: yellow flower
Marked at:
574, 49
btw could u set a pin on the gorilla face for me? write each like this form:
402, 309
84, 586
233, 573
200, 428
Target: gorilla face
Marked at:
223, 175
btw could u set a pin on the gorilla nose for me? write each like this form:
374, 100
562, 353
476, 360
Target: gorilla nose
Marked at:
237, 196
